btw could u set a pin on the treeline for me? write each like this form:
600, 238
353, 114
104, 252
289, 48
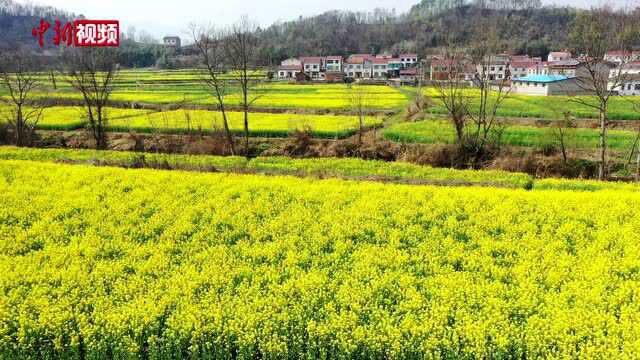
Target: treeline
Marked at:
528, 27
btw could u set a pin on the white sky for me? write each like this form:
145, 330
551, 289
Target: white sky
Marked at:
164, 17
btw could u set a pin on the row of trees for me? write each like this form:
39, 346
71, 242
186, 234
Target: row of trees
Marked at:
228, 56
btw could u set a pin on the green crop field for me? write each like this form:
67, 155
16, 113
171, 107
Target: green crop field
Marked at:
442, 132
269, 95
548, 107
119, 263
347, 168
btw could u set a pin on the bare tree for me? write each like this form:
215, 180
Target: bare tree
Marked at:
451, 88
358, 98
18, 75
594, 34
241, 48
493, 88
209, 42
562, 133
92, 71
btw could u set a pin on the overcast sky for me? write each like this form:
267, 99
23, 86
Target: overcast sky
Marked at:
163, 17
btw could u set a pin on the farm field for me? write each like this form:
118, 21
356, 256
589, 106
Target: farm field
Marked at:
273, 95
183, 86
183, 121
260, 124
348, 168
442, 132
343, 168
548, 107
125, 263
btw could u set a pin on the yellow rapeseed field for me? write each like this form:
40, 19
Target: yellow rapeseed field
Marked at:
115, 263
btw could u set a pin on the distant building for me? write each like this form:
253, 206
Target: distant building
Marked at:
314, 67
289, 69
546, 85
630, 87
408, 60
558, 56
172, 41
355, 66
409, 76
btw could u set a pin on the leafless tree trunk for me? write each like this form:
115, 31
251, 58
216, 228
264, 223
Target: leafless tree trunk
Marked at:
485, 130
209, 42
451, 90
359, 103
561, 133
18, 75
91, 71
241, 48
594, 34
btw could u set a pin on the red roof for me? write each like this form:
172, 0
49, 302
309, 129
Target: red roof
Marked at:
408, 55
334, 57
380, 61
523, 64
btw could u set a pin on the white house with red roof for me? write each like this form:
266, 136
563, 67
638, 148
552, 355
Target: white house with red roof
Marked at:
313, 67
408, 60
289, 68
380, 68
333, 63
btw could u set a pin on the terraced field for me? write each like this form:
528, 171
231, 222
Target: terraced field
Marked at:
548, 107
183, 121
442, 132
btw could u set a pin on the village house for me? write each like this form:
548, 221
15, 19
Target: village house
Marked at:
630, 86
408, 76
313, 67
523, 65
336, 68
289, 69
568, 67
495, 69
333, 64
558, 56
380, 68
630, 75
172, 41
547, 85
440, 69
621, 56
408, 60
394, 65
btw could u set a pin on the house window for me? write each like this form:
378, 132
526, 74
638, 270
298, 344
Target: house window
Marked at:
637, 86
493, 68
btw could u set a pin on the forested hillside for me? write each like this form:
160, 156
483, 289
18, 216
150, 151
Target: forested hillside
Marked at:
17, 20
527, 27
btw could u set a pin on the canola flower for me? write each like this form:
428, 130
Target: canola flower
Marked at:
346, 168
115, 263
